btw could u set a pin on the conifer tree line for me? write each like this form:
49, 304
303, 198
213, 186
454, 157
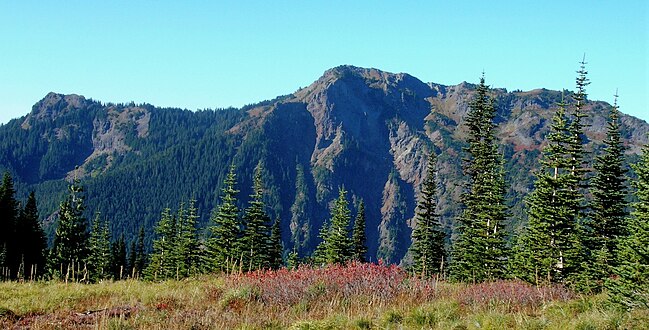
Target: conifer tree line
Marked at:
235, 239
77, 253
580, 230
22, 241
342, 241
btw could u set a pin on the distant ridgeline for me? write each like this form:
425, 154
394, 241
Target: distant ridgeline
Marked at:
366, 130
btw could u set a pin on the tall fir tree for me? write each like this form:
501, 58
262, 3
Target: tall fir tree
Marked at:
428, 237
554, 247
178, 249
320, 253
300, 222
195, 256
276, 248
188, 256
359, 237
32, 243
336, 246
99, 257
549, 248
479, 252
162, 265
70, 247
576, 130
609, 191
8, 216
225, 229
584, 277
630, 287
255, 243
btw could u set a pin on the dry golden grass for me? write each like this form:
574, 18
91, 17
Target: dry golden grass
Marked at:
352, 297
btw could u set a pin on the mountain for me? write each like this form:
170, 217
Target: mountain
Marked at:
366, 129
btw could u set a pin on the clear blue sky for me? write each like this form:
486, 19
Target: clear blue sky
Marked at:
207, 54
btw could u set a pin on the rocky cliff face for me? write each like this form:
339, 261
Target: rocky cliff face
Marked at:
366, 129
85, 131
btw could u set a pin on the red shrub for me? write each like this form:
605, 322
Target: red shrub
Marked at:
513, 294
377, 282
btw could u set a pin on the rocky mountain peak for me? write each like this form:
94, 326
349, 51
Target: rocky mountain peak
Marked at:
357, 77
53, 106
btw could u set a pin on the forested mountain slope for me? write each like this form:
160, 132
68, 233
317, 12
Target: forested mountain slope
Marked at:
368, 130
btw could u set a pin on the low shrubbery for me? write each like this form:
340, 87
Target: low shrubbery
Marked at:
375, 284
358, 296
513, 296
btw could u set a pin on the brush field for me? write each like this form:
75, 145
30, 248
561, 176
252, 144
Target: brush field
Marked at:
356, 296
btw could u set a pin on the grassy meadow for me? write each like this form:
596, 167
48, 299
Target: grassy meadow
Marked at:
356, 296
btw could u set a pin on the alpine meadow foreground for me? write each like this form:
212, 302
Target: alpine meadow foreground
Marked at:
356, 296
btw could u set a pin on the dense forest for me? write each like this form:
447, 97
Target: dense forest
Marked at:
580, 229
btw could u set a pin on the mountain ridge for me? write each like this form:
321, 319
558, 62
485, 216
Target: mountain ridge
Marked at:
366, 129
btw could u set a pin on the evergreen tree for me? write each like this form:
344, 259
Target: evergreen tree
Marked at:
119, 266
186, 248
176, 251
301, 222
631, 287
255, 243
576, 130
336, 246
70, 245
32, 243
8, 216
225, 229
554, 246
195, 257
548, 250
479, 252
359, 238
320, 253
428, 237
99, 258
162, 264
587, 274
292, 260
276, 247
609, 196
